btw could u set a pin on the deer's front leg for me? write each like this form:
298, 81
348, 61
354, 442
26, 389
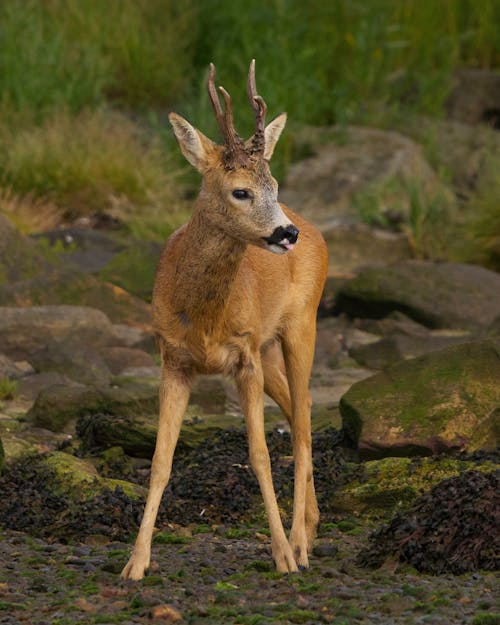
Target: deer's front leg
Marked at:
174, 395
250, 382
298, 350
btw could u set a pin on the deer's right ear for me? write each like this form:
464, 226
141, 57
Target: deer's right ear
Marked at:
193, 143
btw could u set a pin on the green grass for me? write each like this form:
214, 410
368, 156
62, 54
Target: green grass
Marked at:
94, 161
481, 228
85, 87
8, 388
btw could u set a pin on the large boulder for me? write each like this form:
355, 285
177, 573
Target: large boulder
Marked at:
439, 295
78, 361
24, 330
445, 400
355, 161
57, 405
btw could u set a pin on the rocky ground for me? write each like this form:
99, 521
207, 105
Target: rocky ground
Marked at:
406, 410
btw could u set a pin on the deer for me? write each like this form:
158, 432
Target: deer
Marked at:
236, 292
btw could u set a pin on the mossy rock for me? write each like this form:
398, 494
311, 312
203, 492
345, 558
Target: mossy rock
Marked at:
437, 402
80, 480
391, 484
57, 405
439, 295
137, 435
71, 287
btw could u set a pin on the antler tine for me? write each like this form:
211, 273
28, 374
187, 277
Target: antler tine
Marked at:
214, 98
229, 119
259, 107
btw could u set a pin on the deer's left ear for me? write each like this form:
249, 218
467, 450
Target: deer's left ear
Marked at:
272, 133
195, 146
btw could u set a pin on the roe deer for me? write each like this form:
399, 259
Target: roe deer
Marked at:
222, 303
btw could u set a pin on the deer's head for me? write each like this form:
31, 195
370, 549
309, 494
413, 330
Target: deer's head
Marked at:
238, 193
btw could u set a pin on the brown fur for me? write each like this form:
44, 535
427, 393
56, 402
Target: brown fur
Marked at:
222, 303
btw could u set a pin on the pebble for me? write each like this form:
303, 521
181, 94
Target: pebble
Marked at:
325, 550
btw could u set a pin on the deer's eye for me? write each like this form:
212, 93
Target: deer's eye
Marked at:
241, 194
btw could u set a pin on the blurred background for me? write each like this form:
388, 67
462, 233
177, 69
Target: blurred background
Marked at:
86, 86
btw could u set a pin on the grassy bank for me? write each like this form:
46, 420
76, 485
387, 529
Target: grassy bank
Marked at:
85, 85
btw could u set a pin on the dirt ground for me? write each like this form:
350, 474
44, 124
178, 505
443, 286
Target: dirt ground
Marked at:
225, 575
211, 559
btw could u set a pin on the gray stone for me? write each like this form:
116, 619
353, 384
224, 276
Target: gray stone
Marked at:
445, 400
120, 358
391, 349
24, 330
439, 295
354, 160
80, 362
8, 368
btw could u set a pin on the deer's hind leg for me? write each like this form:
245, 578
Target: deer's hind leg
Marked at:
276, 386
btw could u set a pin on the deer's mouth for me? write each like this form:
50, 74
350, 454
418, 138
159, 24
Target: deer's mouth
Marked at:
282, 239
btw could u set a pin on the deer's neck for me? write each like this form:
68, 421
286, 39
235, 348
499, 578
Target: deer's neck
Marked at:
206, 268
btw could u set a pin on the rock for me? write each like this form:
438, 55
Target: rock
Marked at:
120, 358
69, 287
130, 336
461, 149
355, 245
88, 250
79, 362
209, 394
137, 437
439, 295
8, 368
2, 456
394, 483
24, 330
389, 350
475, 97
32, 385
356, 161
438, 402
57, 405
166, 613
79, 479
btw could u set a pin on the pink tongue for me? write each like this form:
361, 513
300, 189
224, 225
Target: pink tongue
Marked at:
289, 246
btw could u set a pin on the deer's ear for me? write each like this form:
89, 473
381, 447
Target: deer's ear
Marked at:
272, 133
193, 143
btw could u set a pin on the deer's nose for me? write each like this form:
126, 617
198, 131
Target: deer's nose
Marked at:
289, 232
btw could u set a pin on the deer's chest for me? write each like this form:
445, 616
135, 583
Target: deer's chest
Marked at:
207, 354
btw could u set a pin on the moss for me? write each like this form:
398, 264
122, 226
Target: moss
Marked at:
419, 398
394, 483
80, 480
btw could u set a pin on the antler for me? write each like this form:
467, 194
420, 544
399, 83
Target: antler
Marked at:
260, 108
235, 147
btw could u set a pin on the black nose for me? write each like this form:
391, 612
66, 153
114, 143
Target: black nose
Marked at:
290, 232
